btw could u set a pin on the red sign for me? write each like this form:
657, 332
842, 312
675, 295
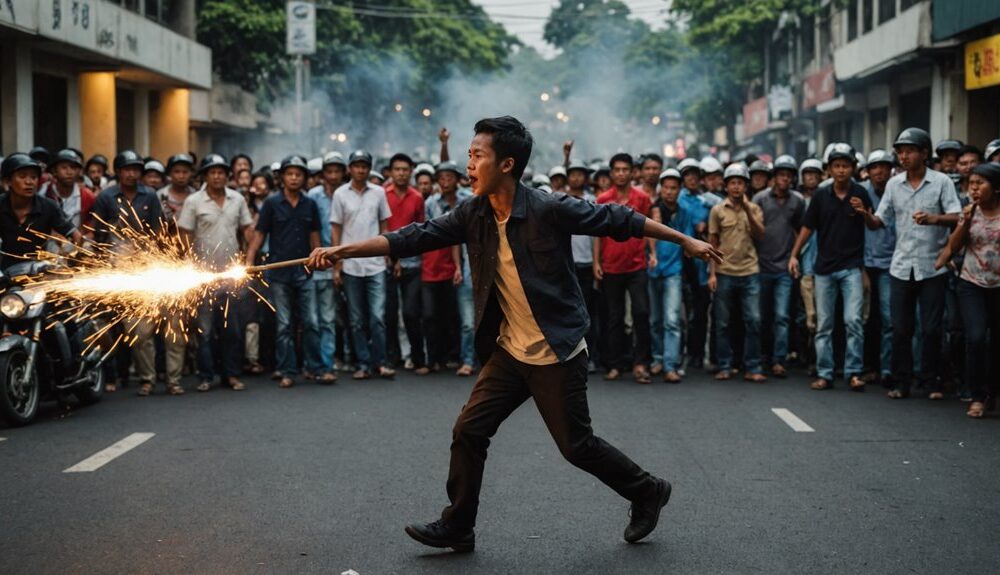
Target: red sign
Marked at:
819, 88
755, 117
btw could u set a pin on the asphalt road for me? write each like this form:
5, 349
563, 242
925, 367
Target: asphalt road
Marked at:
322, 480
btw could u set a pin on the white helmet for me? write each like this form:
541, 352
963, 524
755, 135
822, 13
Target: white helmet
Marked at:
737, 170
810, 164
540, 180
423, 168
670, 173
557, 171
710, 165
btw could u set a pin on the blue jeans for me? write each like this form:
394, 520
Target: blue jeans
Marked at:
879, 279
366, 307
746, 291
325, 318
665, 320
775, 298
300, 295
848, 284
467, 313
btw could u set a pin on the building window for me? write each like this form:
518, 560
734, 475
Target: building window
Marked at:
153, 10
852, 20
867, 12
906, 4
808, 40
886, 10
825, 38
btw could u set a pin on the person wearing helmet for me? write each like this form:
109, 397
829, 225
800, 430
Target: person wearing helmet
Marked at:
213, 221
557, 179
129, 204
992, 151
922, 204
879, 246
315, 166
690, 171
650, 167
711, 177
360, 211
153, 174
24, 213
377, 177
665, 279
968, 158
64, 189
96, 173
441, 275
783, 209
423, 180
602, 178
180, 168
948, 151
760, 177
734, 227
531, 322
290, 223
838, 270
402, 281
583, 248
978, 232
540, 180
700, 204
620, 266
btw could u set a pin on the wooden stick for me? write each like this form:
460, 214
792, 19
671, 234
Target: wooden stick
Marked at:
277, 265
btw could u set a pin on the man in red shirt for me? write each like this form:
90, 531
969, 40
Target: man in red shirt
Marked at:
621, 268
403, 277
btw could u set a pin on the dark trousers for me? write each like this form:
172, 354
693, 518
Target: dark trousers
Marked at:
221, 341
407, 285
981, 318
585, 277
615, 286
439, 307
930, 293
560, 394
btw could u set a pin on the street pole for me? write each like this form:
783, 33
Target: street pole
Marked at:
298, 92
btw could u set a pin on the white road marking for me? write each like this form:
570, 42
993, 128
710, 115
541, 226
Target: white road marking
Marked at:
3, 439
105, 456
792, 420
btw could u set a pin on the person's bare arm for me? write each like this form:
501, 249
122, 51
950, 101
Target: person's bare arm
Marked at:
957, 239
800, 240
443, 136
692, 247
255, 243
598, 270
756, 223
324, 258
456, 257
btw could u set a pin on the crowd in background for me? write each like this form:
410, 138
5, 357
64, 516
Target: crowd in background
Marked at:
876, 269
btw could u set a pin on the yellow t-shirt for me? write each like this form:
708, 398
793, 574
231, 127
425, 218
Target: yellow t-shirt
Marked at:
519, 332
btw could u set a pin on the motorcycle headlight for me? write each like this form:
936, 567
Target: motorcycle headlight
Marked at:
12, 306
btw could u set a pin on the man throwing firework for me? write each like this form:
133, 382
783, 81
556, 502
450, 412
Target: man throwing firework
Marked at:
530, 322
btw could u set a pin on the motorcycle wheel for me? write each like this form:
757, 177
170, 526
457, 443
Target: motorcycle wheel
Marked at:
91, 392
18, 393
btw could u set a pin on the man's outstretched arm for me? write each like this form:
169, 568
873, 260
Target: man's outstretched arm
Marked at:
692, 248
325, 258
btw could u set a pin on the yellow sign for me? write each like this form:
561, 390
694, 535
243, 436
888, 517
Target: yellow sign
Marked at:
982, 63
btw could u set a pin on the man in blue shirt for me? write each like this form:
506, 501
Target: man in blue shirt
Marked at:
879, 245
665, 275
290, 221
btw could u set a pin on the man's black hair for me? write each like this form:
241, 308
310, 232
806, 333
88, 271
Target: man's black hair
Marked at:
401, 157
510, 139
654, 157
620, 157
969, 149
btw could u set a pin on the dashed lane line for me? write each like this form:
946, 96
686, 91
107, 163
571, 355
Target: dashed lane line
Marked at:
105, 456
792, 420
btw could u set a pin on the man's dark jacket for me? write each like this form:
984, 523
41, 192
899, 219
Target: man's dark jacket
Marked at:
539, 232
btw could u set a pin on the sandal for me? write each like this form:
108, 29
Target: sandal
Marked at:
656, 369
641, 375
255, 368
146, 389
723, 374
361, 374
422, 370
898, 394
778, 370
386, 372
286, 382
464, 371
612, 375
857, 384
328, 378
204, 386
175, 389
755, 377
976, 410
820, 385
110, 387
308, 375
672, 377
935, 396
236, 385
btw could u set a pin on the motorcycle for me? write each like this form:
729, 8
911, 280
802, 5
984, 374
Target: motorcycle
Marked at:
42, 359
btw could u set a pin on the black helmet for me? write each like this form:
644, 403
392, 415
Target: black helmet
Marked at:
98, 159
447, 167
760, 166
16, 162
295, 161
40, 154
785, 162
67, 155
213, 161
359, 156
913, 137
841, 151
181, 158
127, 158
948, 146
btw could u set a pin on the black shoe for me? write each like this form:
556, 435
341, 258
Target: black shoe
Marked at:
645, 514
441, 534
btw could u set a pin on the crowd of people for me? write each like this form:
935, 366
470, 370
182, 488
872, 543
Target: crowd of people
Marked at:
880, 269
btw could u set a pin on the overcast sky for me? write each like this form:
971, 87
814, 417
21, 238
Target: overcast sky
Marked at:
526, 19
